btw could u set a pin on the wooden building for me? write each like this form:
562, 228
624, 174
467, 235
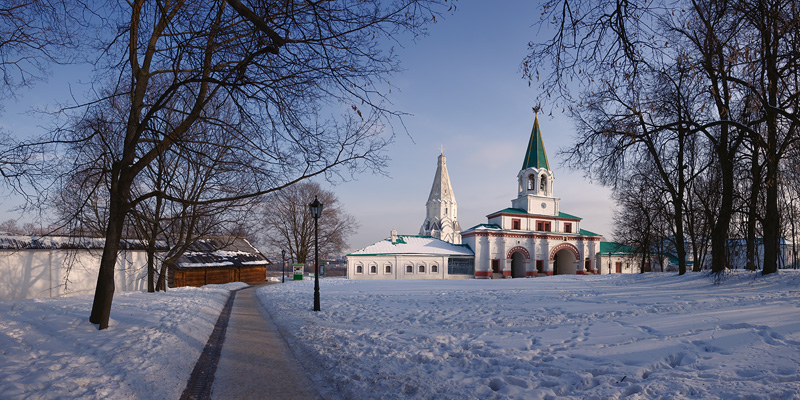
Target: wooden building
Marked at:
218, 260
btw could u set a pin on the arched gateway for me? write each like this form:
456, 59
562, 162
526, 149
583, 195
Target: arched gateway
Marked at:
520, 258
532, 237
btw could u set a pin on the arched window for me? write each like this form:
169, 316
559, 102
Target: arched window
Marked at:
531, 182
359, 269
388, 269
543, 184
434, 268
373, 269
409, 269
421, 269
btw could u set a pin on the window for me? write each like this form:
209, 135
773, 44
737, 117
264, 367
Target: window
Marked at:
373, 269
540, 265
409, 269
543, 226
359, 269
542, 184
496, 266
619, 267
434, 268
531, 180
421, 269
515, 224
388, 269
568, 227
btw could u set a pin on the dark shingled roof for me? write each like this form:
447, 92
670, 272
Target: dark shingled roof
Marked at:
221, 252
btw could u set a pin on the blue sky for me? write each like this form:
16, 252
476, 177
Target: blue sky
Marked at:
463, 86
464, 90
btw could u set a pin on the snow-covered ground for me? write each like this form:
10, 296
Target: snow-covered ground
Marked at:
652, 336
49, 350
634, 336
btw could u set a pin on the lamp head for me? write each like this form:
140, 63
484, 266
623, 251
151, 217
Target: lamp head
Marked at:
316, 208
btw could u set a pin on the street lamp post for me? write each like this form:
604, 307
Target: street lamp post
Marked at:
283, 266
316, 212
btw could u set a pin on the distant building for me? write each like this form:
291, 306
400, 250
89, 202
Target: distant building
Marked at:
737, 254
533, 237
218, 260
411, 257
441, 217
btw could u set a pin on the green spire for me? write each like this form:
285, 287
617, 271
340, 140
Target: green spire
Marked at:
536, 156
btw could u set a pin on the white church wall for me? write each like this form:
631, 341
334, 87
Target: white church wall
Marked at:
37, 273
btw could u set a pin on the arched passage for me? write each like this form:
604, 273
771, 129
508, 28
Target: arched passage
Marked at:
564, 263
564, 256
518, 265
519, 257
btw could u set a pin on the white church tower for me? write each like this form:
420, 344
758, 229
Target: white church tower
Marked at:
441, 219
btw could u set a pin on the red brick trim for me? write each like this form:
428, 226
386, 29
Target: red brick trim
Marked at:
580, 272
531, 273
483, 274
506, 272
549, 273
563, 246
520, 249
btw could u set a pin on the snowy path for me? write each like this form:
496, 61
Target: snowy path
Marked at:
651, 336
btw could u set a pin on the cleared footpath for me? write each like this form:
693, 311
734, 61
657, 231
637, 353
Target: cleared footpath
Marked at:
254, 361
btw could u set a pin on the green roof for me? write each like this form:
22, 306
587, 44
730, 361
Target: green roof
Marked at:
584, 232
523, 212
569, 216
616, 248
536, 156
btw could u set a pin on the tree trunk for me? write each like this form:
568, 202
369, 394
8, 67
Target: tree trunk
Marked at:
677, 199
772, 218
752, 212
161, 285
104, 291
719, 235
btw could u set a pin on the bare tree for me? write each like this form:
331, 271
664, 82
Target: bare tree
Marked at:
638, 221
33, 35
287, 223
281, 68
740, 86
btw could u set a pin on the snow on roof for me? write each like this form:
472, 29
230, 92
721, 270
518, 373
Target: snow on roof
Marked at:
484, 227
221, 252
414, 244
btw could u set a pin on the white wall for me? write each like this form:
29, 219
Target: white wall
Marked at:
36, 273
398, 264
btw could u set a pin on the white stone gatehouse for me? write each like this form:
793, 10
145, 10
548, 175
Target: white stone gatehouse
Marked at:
533, 237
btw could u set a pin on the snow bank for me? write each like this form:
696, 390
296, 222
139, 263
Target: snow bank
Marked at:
654, 336
49, 350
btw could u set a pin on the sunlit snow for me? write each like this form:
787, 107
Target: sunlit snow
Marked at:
611, 336
583, 337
